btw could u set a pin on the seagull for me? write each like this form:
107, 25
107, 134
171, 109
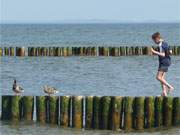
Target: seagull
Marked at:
50, 90
16, 88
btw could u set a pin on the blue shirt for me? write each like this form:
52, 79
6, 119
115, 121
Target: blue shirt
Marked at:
165, 61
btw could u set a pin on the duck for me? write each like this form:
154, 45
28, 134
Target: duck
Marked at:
50, 90
16, 88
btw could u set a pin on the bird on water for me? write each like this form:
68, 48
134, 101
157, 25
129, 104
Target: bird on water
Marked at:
50, 90
16, 88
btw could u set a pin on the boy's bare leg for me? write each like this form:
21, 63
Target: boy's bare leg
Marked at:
163, 81
164, 87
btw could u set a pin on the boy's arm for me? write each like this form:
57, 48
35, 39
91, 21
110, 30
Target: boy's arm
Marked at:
162, 54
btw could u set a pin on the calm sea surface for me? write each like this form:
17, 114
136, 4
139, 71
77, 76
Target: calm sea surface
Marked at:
133, 76
86, 34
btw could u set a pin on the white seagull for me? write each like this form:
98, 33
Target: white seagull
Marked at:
50, 90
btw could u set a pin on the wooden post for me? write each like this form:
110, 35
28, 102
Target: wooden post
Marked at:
6, 51
96, 112
128, 113
6, 108
149, 112
93, 51
69, 51
105, 51
1, 51
77, 112
15, 108
176, 111
139, 113
89, 112
11, 51
158, 111
51, 51
123, 50
116, 113
41, 109
167, 111
105, 112
53, 109
20, 51
28, 107
64, 111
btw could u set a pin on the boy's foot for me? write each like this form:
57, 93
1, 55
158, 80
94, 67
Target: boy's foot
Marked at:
170, 89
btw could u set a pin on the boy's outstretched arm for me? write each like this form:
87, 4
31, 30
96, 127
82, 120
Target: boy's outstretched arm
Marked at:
158, 53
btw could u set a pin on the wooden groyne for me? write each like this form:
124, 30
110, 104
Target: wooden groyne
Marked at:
94, 112
81, 51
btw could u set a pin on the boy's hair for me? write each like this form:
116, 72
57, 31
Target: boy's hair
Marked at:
156, 35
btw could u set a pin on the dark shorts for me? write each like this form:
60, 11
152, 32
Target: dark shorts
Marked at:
163, 68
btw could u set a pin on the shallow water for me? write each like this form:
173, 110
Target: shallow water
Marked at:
8, 128
133, 76
86, 34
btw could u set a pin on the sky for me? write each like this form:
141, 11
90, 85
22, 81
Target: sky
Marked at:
89, 10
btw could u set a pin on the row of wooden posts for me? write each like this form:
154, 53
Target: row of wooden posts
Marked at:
94, 112
80, 51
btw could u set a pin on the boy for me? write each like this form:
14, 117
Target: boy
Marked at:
164, 62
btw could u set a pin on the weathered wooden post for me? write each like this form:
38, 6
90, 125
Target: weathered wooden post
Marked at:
77, 111
96, 112
167, 111
100, 51
105, 112
105, 51
6, 51
51, 51
53, 109
158, 111
176, 111
41, 109
11, 51
116, 113
93, 51
65, 111
69, 51
123, 50
1, 51
149, 112
15, 108
20, 51
89, 112
28, 107
139, 113
65, 51
128, 113
6, 108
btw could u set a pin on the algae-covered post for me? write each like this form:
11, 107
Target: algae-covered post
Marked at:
65, 111
53, 109
116, 113
89, 112
16, 108
128, 113
41, 109
158, 111
1, 51
96, 112
176, 111
11, 51
167, 111
6, 108
138, 113
28, 107
149, 112
77, 111
105, 111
